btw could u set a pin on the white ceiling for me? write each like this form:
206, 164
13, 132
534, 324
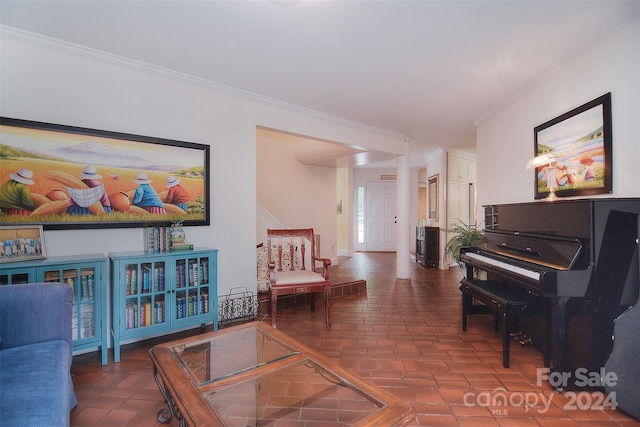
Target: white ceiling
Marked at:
427, 70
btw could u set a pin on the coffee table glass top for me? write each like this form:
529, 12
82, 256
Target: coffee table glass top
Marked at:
212, 359
303, 392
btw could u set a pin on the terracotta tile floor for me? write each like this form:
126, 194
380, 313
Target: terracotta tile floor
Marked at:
403, 335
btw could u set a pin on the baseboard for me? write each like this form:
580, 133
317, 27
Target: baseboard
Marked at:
356, 287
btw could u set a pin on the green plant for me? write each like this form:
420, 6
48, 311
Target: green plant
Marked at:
464, 235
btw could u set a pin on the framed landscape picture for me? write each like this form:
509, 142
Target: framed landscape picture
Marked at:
64, 177
578, 147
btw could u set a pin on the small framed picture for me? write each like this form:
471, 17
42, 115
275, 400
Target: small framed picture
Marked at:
21, 243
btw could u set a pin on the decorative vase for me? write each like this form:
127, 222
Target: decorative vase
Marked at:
177, 233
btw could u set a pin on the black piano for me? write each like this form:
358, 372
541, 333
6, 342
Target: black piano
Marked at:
578, 257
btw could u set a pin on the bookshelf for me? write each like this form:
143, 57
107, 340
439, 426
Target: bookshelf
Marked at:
86, 275
159, 293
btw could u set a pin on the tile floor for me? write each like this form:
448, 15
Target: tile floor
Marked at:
402, 335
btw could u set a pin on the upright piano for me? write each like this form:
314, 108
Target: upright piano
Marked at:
580, 257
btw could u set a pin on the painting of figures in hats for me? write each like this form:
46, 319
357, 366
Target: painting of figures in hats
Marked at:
67, 177
21, 243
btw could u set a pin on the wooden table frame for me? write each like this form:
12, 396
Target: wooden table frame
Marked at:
185, 399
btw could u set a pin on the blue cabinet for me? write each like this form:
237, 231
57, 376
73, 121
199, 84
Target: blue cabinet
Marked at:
156, 294
87, 276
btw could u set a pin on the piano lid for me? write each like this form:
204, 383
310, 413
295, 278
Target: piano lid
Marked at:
553, 252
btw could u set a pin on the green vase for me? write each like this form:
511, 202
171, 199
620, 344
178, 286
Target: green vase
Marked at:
177, 233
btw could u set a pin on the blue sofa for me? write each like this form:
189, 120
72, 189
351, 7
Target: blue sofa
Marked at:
35, 355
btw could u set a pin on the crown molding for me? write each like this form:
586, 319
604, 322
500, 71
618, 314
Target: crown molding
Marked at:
469, 155
124, 62
624, 18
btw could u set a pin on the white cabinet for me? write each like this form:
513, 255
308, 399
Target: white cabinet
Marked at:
461, 190
460, 168
457, 168
458, 202
461, 178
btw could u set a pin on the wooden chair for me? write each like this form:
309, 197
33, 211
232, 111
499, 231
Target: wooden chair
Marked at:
292, 270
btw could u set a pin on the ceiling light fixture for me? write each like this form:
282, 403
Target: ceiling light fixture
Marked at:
285, 3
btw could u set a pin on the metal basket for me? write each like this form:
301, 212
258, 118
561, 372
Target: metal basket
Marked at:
238, 306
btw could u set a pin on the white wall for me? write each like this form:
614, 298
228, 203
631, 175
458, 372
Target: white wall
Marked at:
298, 195
505, 140
344, 193
49, 81
437, 164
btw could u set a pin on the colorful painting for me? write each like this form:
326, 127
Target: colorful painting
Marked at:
21, 243
62, 176
578, 146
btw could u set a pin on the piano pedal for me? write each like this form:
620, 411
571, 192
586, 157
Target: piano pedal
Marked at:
524, 340
516, 334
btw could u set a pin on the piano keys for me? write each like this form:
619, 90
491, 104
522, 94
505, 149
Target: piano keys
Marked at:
480, 260
579, 256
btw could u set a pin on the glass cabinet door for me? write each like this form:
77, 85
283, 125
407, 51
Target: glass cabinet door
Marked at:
145, 294
192, 287
15, 276
82, 281
85, 275
86, 303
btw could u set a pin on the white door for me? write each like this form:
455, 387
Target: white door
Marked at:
380, 219
460, 203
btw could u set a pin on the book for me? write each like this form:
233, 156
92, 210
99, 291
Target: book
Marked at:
148, 239
193, 274
142, 321
146, 281
181, 247
204, 271
180, 273
90, 285
130, 316
160, 278
158, 312
162, 239
145, 314
205, 302
127, 281
133, 284
156, 240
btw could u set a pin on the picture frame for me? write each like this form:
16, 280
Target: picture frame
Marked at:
577, 147
21, 243
82, 178
432, 185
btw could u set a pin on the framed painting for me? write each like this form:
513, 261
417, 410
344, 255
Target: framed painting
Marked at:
66, 177
21, 243
576, 151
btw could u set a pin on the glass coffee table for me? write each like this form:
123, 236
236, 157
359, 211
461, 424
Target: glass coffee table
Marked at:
254, 375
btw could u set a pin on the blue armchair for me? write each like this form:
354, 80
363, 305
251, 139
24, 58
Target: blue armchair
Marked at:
35, 355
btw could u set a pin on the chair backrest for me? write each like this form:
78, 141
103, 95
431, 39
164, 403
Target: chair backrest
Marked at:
291, 248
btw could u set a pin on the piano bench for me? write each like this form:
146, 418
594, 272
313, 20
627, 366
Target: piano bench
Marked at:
499, 299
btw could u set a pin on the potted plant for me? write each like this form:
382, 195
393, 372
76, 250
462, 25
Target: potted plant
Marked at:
464, 235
